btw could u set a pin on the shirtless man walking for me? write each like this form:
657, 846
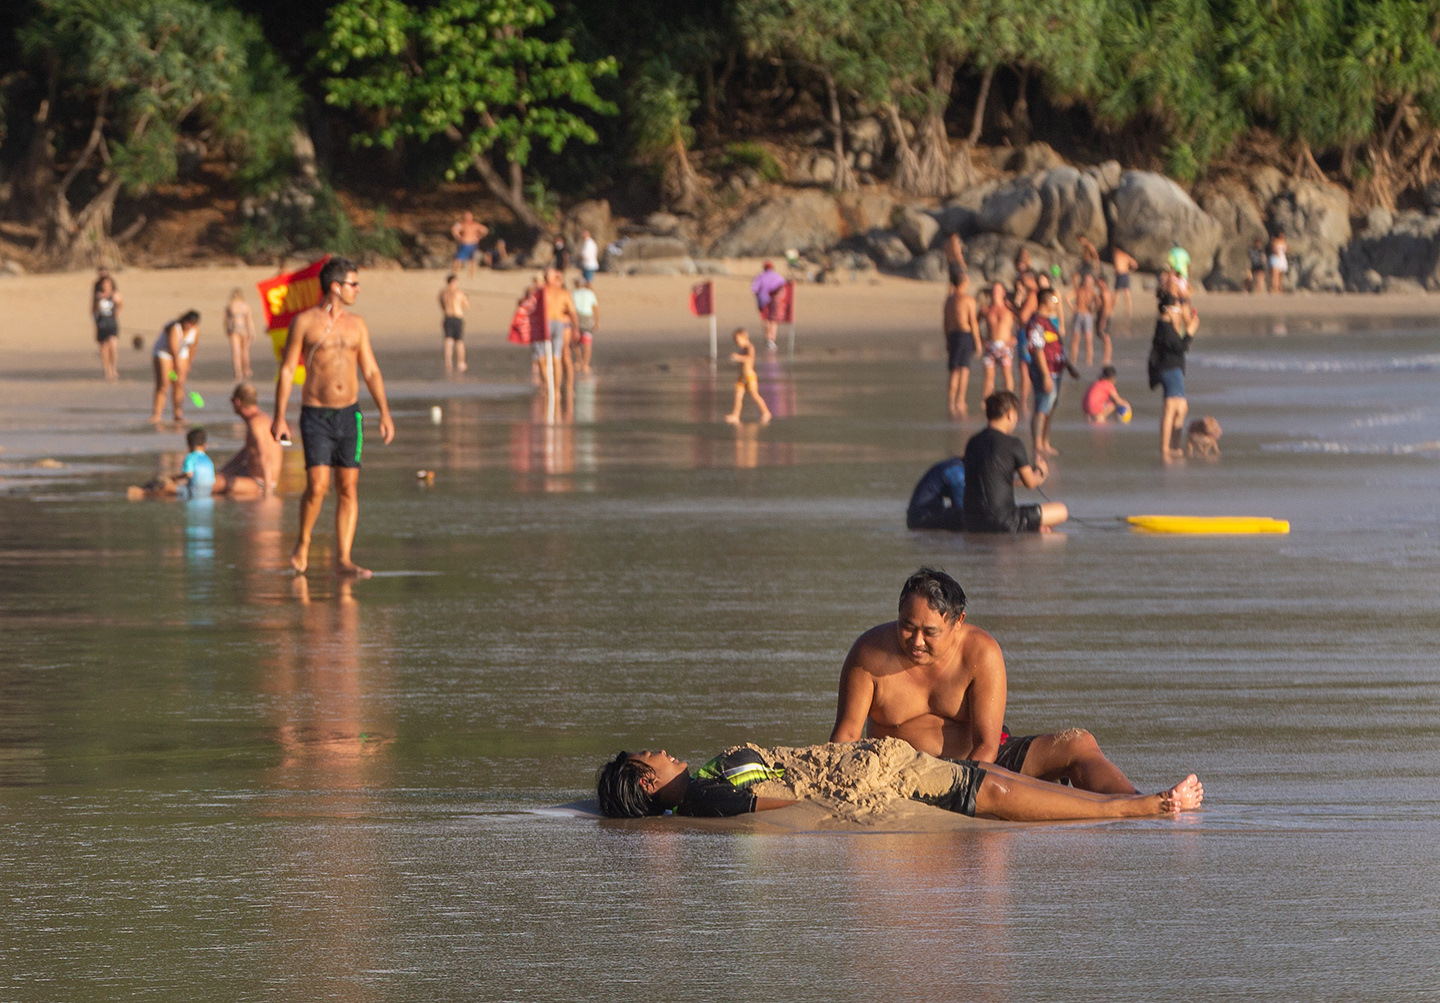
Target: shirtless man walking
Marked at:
453, 303
962, 342
468, 232
254, 471
1000, 348
333, 343
937, 682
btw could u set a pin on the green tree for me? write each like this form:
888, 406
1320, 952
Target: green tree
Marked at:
663, 101
130, 76
1392, 64
478, 73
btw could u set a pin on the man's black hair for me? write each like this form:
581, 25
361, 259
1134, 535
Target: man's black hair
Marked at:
941, 593
619, 786
1001, 403
335, 270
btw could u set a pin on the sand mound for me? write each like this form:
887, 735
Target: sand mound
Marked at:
856, 781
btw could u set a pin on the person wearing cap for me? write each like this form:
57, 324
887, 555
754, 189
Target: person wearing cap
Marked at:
766, 285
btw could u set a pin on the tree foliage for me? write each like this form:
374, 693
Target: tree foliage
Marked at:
480, 74
130, 77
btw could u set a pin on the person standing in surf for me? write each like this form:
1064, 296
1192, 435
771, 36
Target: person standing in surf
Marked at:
334, 343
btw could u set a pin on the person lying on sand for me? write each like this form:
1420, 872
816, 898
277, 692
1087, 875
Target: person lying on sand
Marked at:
634, 785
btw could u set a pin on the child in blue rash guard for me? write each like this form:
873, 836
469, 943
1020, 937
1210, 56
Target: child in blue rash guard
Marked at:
634, 785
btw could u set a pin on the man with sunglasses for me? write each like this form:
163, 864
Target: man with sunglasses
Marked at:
332, 344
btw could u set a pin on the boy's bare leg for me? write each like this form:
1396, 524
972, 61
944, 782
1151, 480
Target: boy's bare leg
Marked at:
734, 416
1018, 798
347, 515
460, 365
764, 408
317, 485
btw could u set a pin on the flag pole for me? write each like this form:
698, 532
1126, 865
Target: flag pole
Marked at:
714, 343
549, 382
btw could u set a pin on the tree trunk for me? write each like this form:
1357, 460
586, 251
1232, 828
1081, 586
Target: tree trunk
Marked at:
507, 194
844, 180
907, 168
81, 240
933, 169
1020, 112
977, 121
681, 183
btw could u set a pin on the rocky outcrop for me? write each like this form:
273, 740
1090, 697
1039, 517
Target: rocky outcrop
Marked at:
1012, 210
1149, 214
1393, 251
888, 249
1315, 219
593, 215
991, 258
928, 267
806, 221
917, 228
1241, 224
1070, 208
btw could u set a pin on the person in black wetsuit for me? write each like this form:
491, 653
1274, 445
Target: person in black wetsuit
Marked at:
938, 497
634, 785
993, 459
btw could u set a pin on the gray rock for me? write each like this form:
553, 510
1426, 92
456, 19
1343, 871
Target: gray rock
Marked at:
888, 249
1379, 221
593, 215
1106, 175
1070, 208
661, 266
1240, 226
1431, 195
1151, 214
704, 266
1399, 284
663, 224
1315, 219
807, 221
8, 267
1035, 156
864, 211
1266, 182
816, 168
917, 228
1408, 248
957, 219
865, 135
646, 247
973, 198
1012, 210
991, 257
928, 267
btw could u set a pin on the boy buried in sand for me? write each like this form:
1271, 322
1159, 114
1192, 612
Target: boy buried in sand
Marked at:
856, 779
746, 381
195, 480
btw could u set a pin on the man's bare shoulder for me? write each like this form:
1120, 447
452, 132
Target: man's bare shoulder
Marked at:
979, 646
873, 647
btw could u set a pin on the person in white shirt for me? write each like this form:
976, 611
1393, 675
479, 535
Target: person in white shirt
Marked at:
589, 257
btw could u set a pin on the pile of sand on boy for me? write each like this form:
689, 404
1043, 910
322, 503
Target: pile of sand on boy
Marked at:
929, 689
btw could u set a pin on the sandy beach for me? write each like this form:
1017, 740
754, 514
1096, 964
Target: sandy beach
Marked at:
53, 402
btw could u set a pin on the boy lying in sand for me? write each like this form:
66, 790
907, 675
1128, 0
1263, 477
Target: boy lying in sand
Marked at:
855, 779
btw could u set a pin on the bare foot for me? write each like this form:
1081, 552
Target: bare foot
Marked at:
132, 493
299, 561
1050, 450
1184, 796
733, 419
462, 366
765, 418
351, 570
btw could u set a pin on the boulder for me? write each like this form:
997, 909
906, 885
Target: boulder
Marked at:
865, 135
1106, 176
593, 215
1149, 214
1012, 210
815, 167
957, 219
1315, 219
888, 249
928, 267
806, 221
660, 266
1398, 284
917, 228
1033, 157
973, 198
1070, 208
865, 210
1266, 182
646, 247
663, 224
1408, 248
1240, 226
991, 257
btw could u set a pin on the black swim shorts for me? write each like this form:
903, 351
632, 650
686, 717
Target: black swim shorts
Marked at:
961, 797
960, 346
332, 436
1013, 752
455, 328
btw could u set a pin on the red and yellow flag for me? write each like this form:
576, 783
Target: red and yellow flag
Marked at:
284, 296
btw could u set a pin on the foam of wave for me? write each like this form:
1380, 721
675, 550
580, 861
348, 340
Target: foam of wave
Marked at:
1387, 420
1355, 448
1254, 364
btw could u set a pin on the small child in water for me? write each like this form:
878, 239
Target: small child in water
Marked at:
1102, 399
195, 480
746, 380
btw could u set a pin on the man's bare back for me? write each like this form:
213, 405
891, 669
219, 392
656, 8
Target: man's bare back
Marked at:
453, 300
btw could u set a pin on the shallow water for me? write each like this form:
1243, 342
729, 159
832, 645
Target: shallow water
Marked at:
217, 782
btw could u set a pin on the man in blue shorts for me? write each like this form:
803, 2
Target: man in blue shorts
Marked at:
468, 232
332, 343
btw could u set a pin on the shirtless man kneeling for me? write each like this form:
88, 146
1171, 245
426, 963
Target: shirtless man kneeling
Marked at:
333, 343
937, 682
254, 471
